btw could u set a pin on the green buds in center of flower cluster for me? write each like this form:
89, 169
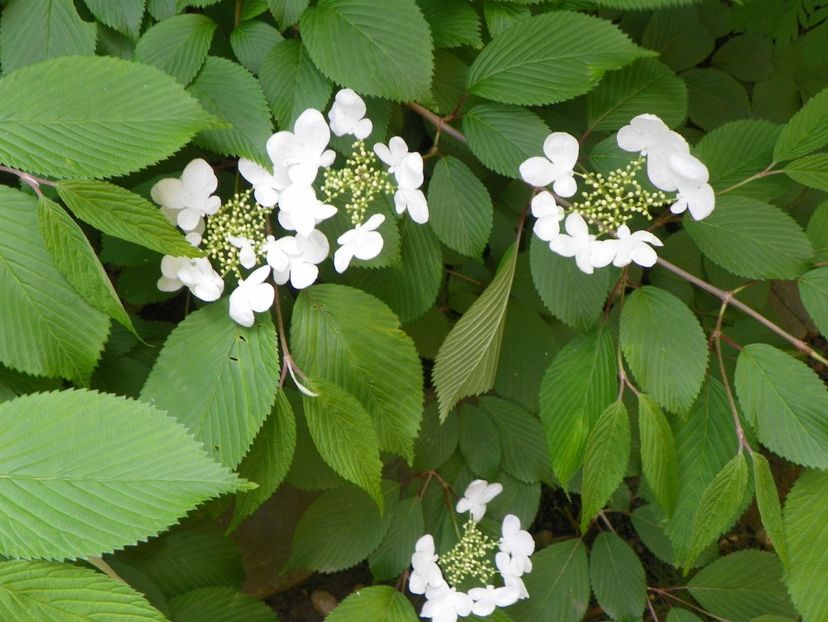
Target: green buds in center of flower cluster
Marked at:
615, 199
239, 220
361, 179
470, 558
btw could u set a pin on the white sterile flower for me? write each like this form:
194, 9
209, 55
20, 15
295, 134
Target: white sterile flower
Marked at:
191, 196
251, 295
347, 115
296, 258
414, 201
634, 247
561, 150
511, 571
477, 495
446, 604
487, 599
267, 184
548, 214
577, 242
362, 242
197, 275
694, 193
426, 573
194, 235
247, 255
517, 542
304, 150
393, 153
300, 209
650, 136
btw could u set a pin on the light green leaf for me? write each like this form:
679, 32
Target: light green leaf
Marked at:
123, 15
524, 456
453, 23
229, 91
642, 5
393, 556
572, 296
349, 337
617, 577
658, 453
127, 116
46, 329
437, 440
125, 215
811, 171
50, 591
380, 603
343, 433
502, 137
480, 442
177, 45
217, 378
806, 132
741, 586
718, 507
668, 359
752, 239
501, 15
461, 210
383, 47
813, 289
715, 97
606, 457
550, 58
59, 478
558, 584
806, 514
579, 384
818, 232
747, 57
219, 604
36, 30
287, 12
645, 86
767, 498
679, 36
467, 361
161, 9
682, 615
77, 261
252, 41
786, 402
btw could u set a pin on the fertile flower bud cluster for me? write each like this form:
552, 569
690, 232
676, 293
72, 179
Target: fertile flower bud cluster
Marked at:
239, 235
614, 199
469, 559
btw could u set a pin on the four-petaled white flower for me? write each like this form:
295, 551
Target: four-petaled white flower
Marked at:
301, 210
694, 193
426, 573
517, 543
304, 150
296, 258
548, 214
634, 247
487, 599
247, 254
267, 184
561, 150
650, 136
362, 242
446, 604
511, 570
393, 153
251, 295
197, 275
191, 196
347, 115
414, 201
477, 495
577, 242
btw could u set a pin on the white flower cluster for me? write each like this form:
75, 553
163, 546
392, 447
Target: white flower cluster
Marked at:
445, 603
286, 188
670, 168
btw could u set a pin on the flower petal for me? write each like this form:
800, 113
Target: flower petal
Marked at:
562, 149
538, 171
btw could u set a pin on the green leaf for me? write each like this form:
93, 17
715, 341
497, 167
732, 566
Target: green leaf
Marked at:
714, 97
229, 91
288, 63
810, 171
767, 498
479, 442
46, 329
818, 232
579, 384
524, 456
161, 9
806, 132
668, 359
268, 460
126, 117
606, 457
502, 137
658, 453
747, 57
123, 15
383, 47
287, 12
437, 441
380, 603
467, 361
718, 507
77, 261
572, 296
679, 36
617, 577
682, 615
177, 45
460, 207
806, 514
785, 402
453, 23
501, 15
646, 86
550, 58
36, 30
393, 555
217, 378
558, 584
58, 477
742, 586
219, 604
343, 433
813, 289
351, 338
252, 41
50, 591
125, 215
642, 5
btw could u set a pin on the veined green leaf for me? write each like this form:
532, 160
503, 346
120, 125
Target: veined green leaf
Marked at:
219, 604
177, 45
767, 498
811, 171
679, 36
123, 15
393, 555
806, 132
818, 232
714, 97
59, 478
251, 41
658, 453
748, 57
617, 577
813, 289
378, 602
479, 442
453, 23
501, 15
524, 456
287, 12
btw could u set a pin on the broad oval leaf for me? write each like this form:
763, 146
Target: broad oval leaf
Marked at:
810, 171
617, 577
658, 453
813, 289
123, 15
57, 477
178, 45
126, 117
480, 442
806, 132
767, 499
524, 453
453, 23
714, 97
378, 602
393, 555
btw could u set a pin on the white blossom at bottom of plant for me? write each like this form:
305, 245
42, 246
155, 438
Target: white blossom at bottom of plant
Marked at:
634, 248
296, 258
362, 242
251, 296
446, 604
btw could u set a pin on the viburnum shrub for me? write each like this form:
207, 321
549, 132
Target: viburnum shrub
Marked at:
505, 310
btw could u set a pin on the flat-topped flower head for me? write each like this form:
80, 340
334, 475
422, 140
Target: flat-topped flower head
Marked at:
478, 494
347, 115
548, 214
303, 151
363, 242
295, 258
191, 196
251, 296
234, 235
561, 151
634, 248
577, 242
247, 252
